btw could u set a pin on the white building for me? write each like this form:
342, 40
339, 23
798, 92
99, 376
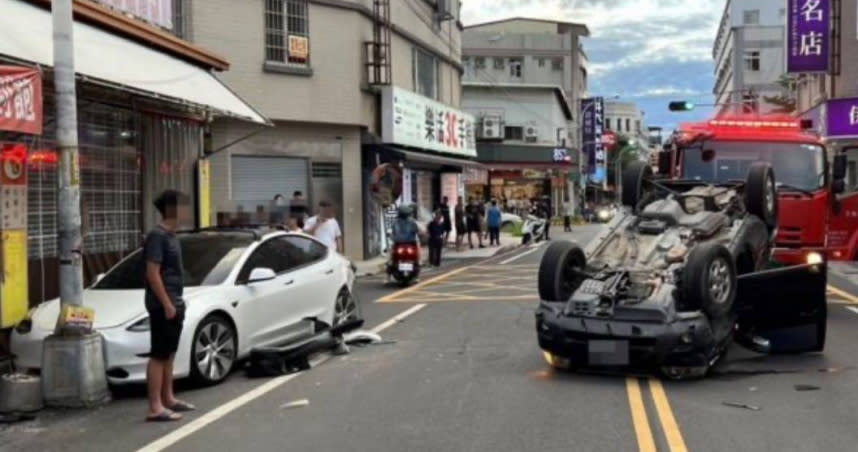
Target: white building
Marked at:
522, 138
626, 118
529, 51
749, 54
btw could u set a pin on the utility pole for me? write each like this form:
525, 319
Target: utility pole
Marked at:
73, 370
68, 207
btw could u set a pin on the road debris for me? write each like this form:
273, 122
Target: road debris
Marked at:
742, 405
803, 387
300, 403
361, 337
753, 389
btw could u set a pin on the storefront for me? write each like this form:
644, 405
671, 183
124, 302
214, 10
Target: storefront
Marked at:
519, 174
136, 138
431, 144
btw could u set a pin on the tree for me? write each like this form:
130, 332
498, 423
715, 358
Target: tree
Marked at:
785, 101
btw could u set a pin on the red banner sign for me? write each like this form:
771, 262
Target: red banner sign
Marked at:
20, 100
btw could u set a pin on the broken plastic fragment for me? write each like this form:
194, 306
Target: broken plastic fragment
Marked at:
361, 337
742, 405
802, 387
300, 403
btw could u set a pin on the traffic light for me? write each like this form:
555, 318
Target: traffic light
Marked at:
681, 105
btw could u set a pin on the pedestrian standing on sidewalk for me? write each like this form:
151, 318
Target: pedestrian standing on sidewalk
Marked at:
445, 215
494, 223
473, 218
325, 227
461, 228
298, 208
437, 231
162, 254
567, 216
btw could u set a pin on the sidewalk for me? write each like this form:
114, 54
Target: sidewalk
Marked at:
375, 265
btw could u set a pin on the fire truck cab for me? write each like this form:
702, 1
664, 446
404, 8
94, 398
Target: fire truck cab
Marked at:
817, 218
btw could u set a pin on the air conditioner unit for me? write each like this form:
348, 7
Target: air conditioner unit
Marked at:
530, 133
491, 128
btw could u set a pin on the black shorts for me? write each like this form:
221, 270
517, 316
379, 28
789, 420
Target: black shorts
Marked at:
164, 334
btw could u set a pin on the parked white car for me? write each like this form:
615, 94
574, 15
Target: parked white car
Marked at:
243, 289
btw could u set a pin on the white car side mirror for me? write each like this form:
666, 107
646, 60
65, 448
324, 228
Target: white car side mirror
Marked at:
260, 275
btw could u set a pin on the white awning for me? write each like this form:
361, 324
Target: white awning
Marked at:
102, 56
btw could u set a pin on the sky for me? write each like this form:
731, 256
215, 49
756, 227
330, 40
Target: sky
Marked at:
646, 51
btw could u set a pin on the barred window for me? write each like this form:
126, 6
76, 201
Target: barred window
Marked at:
287, 31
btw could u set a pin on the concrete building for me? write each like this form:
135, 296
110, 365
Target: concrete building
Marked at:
325, 72
831, 100
626, 118
144, 99
530, 51
749, 55
522, 140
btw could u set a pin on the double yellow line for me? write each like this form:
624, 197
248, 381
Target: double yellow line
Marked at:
640, 419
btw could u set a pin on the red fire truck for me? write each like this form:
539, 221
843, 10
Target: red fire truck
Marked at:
816, 220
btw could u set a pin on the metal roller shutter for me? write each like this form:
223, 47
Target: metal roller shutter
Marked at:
260, 178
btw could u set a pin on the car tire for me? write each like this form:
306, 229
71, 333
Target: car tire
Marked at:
560, 271
761, 196
709, 281
213, 350
525, 239
345, 308
634, 177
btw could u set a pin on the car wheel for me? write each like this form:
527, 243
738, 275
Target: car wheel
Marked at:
761, 196
634, 177
709, 281
560, 271
213, 351
345, 308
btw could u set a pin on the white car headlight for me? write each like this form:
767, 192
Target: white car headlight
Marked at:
140, 326
814, 258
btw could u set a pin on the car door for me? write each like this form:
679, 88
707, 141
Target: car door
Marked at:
317, 274
264, 309
785, 306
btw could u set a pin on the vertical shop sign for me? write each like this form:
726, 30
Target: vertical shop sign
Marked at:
204, 193
808, 36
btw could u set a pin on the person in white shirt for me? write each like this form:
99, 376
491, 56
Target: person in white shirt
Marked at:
325, 227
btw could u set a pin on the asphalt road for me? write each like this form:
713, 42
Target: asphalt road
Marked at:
460, 371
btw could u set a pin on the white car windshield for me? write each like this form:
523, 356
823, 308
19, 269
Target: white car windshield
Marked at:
207, 259
796, 166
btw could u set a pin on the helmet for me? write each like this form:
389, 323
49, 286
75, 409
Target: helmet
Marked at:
405, 211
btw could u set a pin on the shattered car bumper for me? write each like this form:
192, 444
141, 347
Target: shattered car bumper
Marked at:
686, 342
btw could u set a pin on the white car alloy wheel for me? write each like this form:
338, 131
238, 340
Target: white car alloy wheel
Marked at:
214, 350
345, 308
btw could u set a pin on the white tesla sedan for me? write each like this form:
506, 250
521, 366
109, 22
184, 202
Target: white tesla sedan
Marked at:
244, 289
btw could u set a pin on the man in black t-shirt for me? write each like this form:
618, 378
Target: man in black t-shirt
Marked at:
474, 217
164, 275
445, 215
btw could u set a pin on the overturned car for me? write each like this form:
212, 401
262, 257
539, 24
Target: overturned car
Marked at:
680, 272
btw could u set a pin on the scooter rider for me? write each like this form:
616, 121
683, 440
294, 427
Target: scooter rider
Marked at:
405, 229
543, 210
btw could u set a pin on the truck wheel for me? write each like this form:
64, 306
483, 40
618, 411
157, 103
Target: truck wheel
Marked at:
633, 183
761, 196
709, 281
560, 271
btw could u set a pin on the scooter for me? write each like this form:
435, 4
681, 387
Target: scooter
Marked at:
533, 229
404, 263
